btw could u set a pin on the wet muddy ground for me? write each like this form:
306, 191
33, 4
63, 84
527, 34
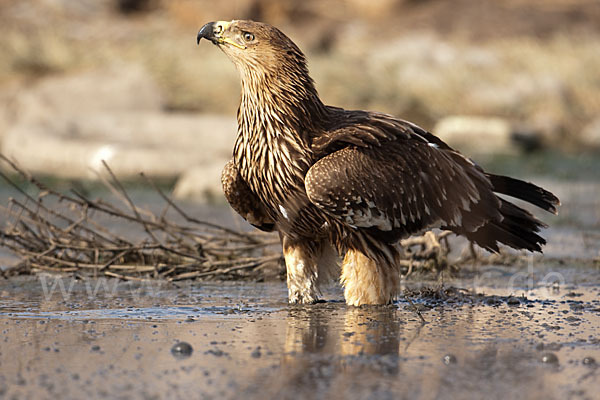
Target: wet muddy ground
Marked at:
529, 332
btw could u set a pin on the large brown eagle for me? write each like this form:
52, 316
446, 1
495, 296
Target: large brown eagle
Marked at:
334, 181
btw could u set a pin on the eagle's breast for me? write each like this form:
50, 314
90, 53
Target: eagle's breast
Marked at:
274, 161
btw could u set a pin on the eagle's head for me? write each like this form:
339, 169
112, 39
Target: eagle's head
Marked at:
276, 85
257, 49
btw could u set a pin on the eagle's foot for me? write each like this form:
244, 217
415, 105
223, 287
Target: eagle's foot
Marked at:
302, 297
302, 288
302, 271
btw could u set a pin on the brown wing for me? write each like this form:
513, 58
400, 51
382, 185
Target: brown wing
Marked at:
367, 128
243, 200
401, 187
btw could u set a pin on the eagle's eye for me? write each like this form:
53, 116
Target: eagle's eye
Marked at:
248, 37
218, 29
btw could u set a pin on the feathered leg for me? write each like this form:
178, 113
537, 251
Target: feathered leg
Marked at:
367, 281
301, 262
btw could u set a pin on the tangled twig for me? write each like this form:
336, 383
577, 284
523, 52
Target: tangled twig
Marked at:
60, 232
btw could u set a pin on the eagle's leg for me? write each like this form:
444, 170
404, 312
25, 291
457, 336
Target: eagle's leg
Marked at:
367, 281
301, 262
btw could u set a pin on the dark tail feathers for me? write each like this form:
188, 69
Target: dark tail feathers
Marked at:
525, 191
518, 228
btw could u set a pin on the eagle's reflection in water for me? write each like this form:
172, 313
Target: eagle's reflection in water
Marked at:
334, 345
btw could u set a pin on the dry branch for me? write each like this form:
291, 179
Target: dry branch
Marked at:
65, 233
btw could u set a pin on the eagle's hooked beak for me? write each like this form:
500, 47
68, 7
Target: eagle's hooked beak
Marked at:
207, 32
213, 31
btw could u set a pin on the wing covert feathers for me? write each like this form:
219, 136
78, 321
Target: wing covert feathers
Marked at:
242, 200
401, 188
406, 186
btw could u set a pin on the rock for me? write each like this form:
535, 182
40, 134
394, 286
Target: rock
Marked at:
7, 96
480, 135
119, 88
158, 144
212, 135
201, 182
67, 125
590, 135
371, 9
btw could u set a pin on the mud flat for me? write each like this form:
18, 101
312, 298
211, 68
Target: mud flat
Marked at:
524, 331
488, 333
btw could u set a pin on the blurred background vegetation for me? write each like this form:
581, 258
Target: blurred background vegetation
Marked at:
533, 63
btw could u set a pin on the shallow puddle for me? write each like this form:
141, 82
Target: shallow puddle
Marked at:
537, 338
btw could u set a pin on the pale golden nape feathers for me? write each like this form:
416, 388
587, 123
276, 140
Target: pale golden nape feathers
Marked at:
357, 180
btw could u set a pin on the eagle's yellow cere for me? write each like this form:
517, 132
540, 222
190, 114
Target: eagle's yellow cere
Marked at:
350, 183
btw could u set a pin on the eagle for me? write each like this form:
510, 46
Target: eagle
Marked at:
350, 184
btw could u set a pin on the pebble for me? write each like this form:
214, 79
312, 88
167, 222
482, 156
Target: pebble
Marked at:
513, 301
449, 359
492, 301
182, 350
256, 353
548, 346
589, 361
549, 358
216, 352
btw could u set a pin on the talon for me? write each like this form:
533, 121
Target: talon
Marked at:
298, 298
